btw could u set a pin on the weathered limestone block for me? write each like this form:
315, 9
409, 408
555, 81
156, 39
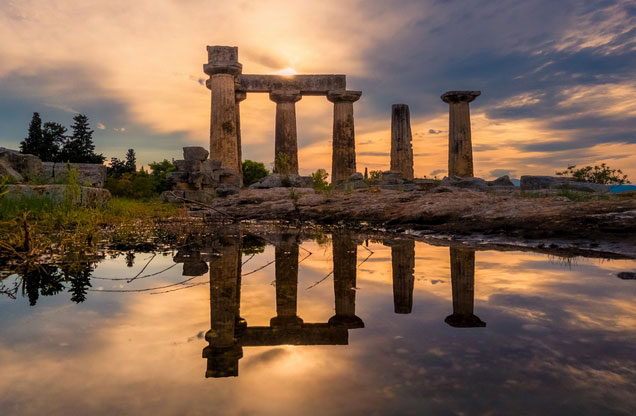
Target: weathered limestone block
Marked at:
401, 141
344, 146
460, 150
225, 189
391, 177
210, 165
286, 140
355, 181
8, 171
195, 153
190, 165
276, 180
28, 166
501, 181
89, 174
470, 183
532, 183
88, 196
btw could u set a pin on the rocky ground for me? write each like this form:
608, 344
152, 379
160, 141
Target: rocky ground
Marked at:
446, 211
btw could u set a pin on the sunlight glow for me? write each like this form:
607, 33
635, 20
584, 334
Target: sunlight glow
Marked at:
286, 71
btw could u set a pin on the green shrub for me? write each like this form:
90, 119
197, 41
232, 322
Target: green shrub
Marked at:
253, 172
598, 174
374, 178
319, 181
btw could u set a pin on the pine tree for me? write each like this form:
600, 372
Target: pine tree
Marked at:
53, 138
79, 148
33, 142
131, 160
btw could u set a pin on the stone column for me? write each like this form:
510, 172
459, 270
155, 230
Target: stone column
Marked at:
460, 148
238, 97
223, 351
403, 264
401, 138
345, 251
462, 262
223, 67
286, 257
286, 143
343, 160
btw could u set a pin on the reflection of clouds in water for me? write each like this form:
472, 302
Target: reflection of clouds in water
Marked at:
552, 340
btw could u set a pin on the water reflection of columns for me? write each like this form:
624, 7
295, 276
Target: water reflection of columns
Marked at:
223, 351
286, 286
403, 264
462, 262
345, 251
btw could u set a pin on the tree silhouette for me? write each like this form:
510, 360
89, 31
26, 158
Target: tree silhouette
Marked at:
79, 148
32, 143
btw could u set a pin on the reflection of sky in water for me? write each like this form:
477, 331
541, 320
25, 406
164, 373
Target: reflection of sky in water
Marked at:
559, 339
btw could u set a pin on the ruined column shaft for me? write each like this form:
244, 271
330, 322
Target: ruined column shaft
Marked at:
286, 280
223, 128
403, 264
224, 307
286, 142
462, 263
343, 160
239, 96
345, 257
401, 141
460, 148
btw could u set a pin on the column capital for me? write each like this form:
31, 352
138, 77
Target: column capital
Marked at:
285, 96
239, 96
343, 96
454, 97
222, 60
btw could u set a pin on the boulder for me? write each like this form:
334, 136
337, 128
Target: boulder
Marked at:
532, 183
501, 181
210, 165
391, 177
226, 189
469, 183
277, 180
195, 153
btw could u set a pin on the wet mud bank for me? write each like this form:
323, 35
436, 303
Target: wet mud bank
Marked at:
476, 218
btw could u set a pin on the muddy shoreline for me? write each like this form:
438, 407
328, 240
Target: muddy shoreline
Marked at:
603, 228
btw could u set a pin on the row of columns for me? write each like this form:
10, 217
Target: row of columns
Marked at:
225, 125
228, 329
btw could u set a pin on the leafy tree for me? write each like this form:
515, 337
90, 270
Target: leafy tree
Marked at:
253, 172
131, 160
79, 148
159, 170
32, 143
598, 174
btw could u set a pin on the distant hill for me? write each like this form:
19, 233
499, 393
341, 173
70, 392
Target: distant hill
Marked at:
617, 189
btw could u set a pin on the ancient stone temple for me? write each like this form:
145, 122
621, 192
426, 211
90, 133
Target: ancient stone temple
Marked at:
229, 86
401, 138
460, 148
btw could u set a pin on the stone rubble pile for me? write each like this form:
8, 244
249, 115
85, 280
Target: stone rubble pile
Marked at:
200, 179
276, 180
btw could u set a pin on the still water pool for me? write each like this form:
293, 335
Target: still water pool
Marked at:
335, 324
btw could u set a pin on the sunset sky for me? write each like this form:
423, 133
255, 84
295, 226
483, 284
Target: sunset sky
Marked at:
558, 78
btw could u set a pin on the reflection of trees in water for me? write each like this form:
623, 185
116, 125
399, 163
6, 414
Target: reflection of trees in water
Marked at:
35, 280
